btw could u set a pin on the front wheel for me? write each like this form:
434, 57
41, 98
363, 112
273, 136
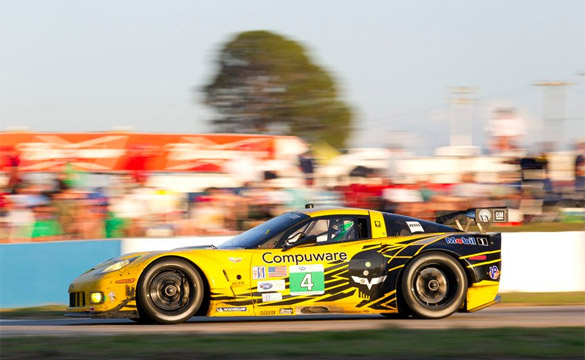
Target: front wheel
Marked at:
170, 291
434, 285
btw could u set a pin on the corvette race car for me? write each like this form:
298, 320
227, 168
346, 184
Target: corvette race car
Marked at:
314, 261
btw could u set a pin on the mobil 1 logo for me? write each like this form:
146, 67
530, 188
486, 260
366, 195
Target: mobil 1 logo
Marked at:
306, 279
482, 241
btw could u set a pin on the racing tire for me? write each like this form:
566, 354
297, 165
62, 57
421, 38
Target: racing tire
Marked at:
434, 285
170, 291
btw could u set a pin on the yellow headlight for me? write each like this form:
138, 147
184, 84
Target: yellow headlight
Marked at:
96, 297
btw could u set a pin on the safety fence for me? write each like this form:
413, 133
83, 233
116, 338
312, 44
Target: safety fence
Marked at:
39, 273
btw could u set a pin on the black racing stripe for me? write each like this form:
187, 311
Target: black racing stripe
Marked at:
335, 267
336, 274
372, 246
338, 296
240, 303
383, 306
392, 252
410, 241
340, 288
410, 250
386, 297
362, 303
396, 262
335, 283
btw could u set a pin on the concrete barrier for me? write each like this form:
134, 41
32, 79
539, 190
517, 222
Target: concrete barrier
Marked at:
153, 244
39, 273
543, 262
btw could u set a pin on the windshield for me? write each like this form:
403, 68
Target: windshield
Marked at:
256, 236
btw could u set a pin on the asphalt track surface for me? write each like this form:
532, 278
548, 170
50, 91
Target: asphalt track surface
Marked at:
494, 317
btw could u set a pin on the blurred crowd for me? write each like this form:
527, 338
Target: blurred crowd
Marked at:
61, 208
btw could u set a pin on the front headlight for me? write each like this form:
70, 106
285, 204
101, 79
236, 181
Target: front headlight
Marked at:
118, 265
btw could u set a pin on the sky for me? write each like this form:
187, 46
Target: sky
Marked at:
97, 65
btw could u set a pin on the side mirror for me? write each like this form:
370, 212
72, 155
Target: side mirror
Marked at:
309, 239
301, 239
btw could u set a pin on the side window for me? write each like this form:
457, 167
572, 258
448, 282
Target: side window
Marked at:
277, 241
436, 228
363, 228
396, 226
342, 229
320, 229
331, 229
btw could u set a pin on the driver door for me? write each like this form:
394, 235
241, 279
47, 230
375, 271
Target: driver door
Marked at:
308, 269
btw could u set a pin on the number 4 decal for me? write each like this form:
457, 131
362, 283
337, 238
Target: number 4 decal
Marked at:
306, 283
307, 280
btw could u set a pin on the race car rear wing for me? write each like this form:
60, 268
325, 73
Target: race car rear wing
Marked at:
482, 217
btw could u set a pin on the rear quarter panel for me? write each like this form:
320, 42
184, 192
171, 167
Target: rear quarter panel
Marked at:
479, 254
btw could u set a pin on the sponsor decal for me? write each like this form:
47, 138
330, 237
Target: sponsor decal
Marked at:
306, 280
482, 241
484, 216
271, 285
268, 258
494, 272
235, 260
499, 215
461, 240
369, 283
106, 152
276, 271
232, 309
415, 226
258, 272
286, 311
268, 297
267, 312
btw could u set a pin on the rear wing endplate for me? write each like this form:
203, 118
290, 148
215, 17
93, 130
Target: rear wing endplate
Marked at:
482, 217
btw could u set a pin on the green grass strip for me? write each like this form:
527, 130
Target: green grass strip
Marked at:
35, 312
544, 298
371, 344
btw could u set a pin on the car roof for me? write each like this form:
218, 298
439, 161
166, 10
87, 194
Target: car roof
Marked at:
314, 212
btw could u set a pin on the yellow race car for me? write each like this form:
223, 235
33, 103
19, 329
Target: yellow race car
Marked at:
315, 261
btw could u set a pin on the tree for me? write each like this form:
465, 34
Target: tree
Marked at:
267, 83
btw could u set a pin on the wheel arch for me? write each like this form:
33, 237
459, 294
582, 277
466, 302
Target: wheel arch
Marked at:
470, 274
206, 286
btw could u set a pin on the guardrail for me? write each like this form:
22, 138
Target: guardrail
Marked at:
39, 273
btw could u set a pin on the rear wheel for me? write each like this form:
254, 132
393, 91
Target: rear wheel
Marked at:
170, 291
434, 285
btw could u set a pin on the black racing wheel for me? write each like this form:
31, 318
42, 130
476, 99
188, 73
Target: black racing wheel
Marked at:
170, 291
434, 285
